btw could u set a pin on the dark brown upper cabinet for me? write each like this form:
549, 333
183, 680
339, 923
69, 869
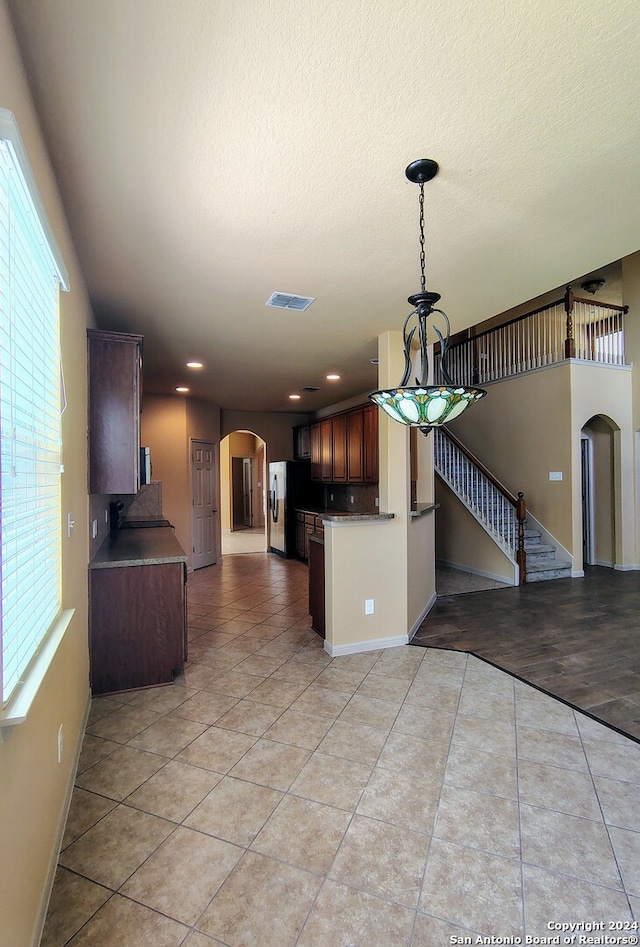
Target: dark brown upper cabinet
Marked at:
344, 447
115, 375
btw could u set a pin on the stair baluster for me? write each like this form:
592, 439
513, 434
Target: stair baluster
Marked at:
502, 514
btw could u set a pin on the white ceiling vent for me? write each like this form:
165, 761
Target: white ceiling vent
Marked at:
289, 301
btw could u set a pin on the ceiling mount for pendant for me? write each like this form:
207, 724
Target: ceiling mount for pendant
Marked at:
423, 405
422, 170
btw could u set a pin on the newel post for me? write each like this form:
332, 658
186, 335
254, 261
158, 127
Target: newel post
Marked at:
521, 555
569, 342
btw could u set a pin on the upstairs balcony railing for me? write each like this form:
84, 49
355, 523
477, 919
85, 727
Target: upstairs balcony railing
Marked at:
571, 327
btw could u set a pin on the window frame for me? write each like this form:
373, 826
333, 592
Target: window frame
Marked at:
18, 702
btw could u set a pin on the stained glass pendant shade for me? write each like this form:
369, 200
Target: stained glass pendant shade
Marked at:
422, 405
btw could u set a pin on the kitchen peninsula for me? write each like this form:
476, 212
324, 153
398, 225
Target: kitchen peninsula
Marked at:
310, 522
311, 547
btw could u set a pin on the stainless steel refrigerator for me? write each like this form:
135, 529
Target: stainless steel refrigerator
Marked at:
290, 488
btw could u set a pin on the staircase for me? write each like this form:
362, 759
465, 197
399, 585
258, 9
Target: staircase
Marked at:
541, 559
497, 510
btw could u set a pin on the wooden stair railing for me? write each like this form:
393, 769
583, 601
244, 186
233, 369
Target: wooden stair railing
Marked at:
517, 502
569, 327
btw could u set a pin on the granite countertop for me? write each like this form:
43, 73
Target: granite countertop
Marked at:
138, 547
423, 508
339, 516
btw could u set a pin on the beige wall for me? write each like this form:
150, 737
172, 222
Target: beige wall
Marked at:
421, 575
360, 564
34, 787
274, 428
225, 483
530, 425
631, 298
463, 543
610, 293
391, 562
163, 428
598, 390
203, 420
167, 423
521, 431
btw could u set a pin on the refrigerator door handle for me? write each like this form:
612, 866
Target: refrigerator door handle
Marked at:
274, 507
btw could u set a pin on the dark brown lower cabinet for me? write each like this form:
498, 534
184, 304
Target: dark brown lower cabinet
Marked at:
137, 626
316, 583
301, 536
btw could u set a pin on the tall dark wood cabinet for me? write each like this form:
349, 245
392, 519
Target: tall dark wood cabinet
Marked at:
316, 452
115, 364
371, 453
326, 450
355, 446
339, 445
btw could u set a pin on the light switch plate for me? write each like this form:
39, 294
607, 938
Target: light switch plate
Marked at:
555, 475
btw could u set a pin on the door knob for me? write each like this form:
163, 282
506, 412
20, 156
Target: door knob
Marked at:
214, 510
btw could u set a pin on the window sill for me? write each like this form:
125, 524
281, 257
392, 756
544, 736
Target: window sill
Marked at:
19, 704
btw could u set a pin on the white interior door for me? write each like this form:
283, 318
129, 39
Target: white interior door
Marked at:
204, 510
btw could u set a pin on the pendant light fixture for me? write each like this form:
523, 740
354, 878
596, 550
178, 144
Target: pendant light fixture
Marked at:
423, 405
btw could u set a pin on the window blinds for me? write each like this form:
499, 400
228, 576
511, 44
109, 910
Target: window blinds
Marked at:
30, 429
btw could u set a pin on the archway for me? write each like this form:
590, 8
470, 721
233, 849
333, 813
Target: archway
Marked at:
599, 485
243, 493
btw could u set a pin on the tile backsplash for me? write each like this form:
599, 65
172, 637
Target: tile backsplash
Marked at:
351, 498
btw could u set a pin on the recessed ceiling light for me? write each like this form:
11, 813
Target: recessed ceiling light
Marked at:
195, 365
333, 377
182, 389
294, 397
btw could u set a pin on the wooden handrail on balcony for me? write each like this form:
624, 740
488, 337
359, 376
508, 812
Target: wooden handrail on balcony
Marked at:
518, 502
535, 343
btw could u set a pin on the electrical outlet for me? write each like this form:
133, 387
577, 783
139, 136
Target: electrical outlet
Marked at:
555, 475
369, 606
70, 523
60, 743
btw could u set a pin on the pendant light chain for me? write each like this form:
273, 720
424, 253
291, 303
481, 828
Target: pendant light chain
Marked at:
424, 405
423, 282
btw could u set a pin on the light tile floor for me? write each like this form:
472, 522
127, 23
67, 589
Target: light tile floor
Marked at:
273, 796
239, 541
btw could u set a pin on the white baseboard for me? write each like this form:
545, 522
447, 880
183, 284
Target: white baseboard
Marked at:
627, 568
425, 612
51, 877
360, 646
577, 574
507, 579
605, 563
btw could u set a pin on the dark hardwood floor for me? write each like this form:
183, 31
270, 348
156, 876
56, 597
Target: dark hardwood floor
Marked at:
577, 639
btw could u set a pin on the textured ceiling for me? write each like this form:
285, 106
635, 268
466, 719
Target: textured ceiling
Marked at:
210, 152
